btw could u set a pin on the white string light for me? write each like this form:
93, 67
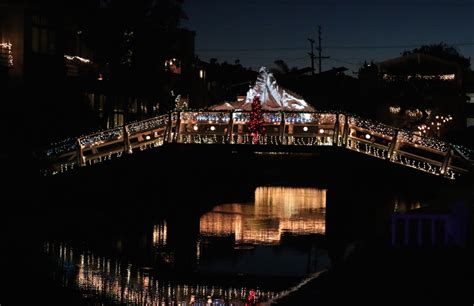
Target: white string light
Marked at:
77, 58
8, 50
375, 131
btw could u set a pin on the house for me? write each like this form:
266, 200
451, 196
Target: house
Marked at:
54, 79
421, 92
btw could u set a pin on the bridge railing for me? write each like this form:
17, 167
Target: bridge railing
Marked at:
282, 128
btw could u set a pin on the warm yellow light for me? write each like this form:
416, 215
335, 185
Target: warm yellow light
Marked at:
81, 59
290, 206
196, 128
367, 136
395, 109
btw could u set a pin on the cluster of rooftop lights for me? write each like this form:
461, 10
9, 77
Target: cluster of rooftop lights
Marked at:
434, 125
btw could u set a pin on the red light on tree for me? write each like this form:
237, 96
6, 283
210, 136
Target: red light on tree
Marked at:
256, 127
251, 298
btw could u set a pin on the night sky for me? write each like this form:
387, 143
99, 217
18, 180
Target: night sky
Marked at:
260, 31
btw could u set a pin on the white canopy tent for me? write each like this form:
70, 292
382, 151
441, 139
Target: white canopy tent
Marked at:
272, 97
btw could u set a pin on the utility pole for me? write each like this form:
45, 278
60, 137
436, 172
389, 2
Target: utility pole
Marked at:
311, 41
320, 50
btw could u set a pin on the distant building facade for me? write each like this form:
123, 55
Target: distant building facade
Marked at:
46, 65
420, 92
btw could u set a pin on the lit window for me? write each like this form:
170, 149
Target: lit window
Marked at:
202, 74
173, 65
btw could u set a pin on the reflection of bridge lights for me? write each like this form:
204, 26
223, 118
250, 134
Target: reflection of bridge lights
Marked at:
367, 136
277, 210
195, 128
305, 129
321, 131
213, 128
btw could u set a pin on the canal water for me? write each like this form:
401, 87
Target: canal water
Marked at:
232, 254
253, 249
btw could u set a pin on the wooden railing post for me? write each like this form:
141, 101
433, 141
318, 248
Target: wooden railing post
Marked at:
335, 139
447, 161
393, 146
169, 127
126, 141
230, 128
282, 128
178, 125
345, 132
80, 154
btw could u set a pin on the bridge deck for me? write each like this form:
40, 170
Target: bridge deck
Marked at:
283, 129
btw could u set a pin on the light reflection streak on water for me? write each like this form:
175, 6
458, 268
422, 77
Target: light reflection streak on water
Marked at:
403, 206
277, 210
103, 278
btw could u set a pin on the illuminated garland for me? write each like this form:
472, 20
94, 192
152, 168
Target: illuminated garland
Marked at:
210, 117
9, 53
432, 143
255, 121
465, 152
372, 126
147, 125
272, 117
241, 117
102, 137
62, 147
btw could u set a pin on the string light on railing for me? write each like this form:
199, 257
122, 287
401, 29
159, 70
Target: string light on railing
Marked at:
104, 137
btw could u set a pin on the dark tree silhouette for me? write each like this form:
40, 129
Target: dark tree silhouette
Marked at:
443, 51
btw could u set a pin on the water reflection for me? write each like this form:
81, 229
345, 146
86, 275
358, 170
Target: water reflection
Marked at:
109, 280
403, 205
277, 211
222, 252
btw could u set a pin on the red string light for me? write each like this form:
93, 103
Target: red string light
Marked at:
256, 127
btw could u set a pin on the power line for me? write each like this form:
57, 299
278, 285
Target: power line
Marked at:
327, 47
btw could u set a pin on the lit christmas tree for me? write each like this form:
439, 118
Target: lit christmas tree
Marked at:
256, 127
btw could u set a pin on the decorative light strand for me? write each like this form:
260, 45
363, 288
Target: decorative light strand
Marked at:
7, 50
